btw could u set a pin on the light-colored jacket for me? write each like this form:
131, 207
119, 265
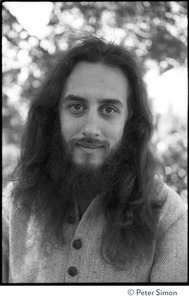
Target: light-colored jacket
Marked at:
24, 261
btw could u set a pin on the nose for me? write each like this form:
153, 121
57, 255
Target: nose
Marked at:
91, 127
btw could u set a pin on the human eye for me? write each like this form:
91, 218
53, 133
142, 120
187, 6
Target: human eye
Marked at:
109, 110
76, 108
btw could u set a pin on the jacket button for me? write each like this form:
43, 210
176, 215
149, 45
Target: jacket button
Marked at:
71, 220
77, 244
72, 271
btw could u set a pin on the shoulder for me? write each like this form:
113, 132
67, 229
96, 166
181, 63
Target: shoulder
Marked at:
173, 210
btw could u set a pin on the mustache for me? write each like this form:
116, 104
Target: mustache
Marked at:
88, 143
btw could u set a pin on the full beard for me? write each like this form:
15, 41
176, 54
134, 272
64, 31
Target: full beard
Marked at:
71, 179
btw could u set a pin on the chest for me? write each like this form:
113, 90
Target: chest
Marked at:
78, 260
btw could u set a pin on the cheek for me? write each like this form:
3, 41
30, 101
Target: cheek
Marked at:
66, 126
115, 133
70, 127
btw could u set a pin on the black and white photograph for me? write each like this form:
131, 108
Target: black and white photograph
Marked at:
94, 144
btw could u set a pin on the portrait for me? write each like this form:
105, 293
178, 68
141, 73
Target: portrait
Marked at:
95, 193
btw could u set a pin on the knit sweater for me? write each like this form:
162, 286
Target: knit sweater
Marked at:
79, 260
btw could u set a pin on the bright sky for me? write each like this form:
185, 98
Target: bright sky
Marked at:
169, 89
33, 16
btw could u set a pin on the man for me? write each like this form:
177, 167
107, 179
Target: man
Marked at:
87, 204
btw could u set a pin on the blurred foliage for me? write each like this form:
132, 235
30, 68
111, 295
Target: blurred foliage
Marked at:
155, 30
170, 139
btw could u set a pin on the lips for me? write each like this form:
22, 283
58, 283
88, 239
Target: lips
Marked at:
90, 145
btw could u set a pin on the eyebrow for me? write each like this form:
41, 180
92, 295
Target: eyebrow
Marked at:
112, 101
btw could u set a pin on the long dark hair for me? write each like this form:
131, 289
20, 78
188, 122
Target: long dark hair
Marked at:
130, 206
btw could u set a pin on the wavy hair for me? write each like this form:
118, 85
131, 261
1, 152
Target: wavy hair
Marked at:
130, 205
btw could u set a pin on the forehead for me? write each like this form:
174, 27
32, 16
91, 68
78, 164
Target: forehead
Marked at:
95, 79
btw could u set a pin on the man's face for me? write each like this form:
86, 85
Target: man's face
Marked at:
93, 111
